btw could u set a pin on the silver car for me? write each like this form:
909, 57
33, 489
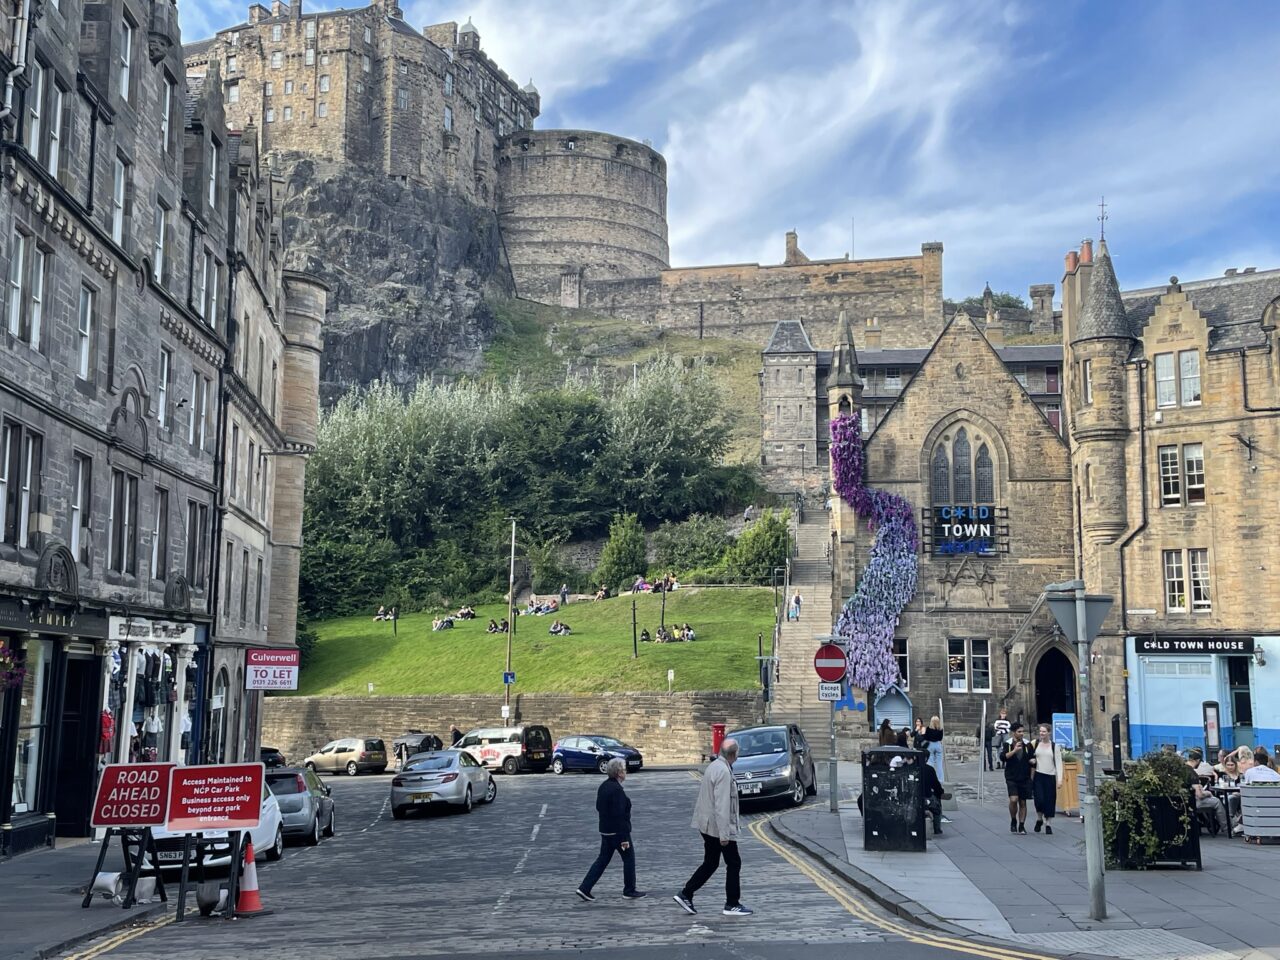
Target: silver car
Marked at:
305, 804
441, 778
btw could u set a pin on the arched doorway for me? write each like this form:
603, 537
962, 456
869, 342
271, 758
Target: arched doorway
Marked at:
1055, 685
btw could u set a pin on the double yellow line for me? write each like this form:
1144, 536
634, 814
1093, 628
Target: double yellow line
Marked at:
860, 910
106, 946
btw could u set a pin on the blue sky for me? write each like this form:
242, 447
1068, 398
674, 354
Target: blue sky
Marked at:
991, 126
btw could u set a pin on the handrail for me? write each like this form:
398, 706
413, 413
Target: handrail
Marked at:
777, 637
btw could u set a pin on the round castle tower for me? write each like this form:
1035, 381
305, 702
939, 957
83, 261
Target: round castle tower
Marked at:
578, 205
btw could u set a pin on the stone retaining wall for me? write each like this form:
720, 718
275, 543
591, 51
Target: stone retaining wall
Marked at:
300, 725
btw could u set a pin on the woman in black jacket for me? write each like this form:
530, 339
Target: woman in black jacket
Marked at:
614, 807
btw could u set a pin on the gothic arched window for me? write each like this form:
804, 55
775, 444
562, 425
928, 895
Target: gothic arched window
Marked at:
960, 456
984, 477
940, 476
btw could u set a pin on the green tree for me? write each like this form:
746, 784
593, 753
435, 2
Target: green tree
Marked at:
763, 546
974, 306
623, 557
700, 541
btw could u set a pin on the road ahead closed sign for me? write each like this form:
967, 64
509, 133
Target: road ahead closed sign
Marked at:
222, 797
132, 795
267, 669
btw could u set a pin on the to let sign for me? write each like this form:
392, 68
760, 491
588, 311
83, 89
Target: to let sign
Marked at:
222, 797
132, 795
267, 669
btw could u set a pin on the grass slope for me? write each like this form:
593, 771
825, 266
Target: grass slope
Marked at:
356, 651
542, 344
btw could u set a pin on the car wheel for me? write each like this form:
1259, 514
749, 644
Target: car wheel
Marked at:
330, 828
352, 769
603, 764
491, 791
557, 766
797, 793
277, 849
397, 813
812, 789
311, 766
313, 836
511, 766
466, 801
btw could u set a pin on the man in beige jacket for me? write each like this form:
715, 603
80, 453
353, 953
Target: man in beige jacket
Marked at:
715, 816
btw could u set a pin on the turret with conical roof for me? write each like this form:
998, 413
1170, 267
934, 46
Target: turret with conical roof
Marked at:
1098, 398
844, 385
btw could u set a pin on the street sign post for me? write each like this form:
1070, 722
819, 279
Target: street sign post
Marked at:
830, 663
509, 677
1081, 616
830, 692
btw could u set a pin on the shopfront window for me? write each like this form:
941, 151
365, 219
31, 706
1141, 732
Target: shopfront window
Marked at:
31, 727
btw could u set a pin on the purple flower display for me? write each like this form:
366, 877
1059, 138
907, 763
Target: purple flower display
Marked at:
869, 618
11, 673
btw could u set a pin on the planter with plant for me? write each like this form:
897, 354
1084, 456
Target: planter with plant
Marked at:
1148, 817
1069, 787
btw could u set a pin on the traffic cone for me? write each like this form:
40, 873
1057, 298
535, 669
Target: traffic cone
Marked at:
249, 903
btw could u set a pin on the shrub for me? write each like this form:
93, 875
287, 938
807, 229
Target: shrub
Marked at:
700, 541
623, 557
763, 546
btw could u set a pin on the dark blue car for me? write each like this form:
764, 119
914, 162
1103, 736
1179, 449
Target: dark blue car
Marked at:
592, 752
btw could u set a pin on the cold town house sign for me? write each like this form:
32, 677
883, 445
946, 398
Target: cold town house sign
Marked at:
954, 530
1238, 645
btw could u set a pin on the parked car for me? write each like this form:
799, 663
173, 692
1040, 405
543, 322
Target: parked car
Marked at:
774, 761
352, 756
526, 747
444, 777
271, 757
592, 752
267, 837
412, 742
306, 807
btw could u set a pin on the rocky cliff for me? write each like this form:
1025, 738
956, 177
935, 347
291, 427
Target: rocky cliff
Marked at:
409, 267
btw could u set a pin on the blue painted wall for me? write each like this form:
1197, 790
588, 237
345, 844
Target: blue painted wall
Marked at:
1166, 694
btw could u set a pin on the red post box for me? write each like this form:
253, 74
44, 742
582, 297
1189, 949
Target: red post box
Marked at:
717, 738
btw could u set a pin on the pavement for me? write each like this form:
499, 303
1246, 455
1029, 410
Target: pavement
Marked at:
979, 879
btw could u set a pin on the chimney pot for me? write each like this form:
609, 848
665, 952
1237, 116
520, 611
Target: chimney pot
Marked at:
1072, 261
1086, 251
1229, 272
1249, 270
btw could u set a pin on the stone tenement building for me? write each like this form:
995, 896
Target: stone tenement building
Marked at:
142, 245
1140, 456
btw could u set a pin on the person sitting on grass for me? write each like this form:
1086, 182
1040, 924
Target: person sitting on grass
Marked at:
602, 593
504, 626
559, 629
687, 634
381, 614
465, 612
532, 608
444, 623
492, 627
644, 635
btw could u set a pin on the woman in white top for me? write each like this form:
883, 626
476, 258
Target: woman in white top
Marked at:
1047, 762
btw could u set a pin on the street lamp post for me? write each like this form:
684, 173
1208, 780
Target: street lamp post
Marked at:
511, 617
1082, 616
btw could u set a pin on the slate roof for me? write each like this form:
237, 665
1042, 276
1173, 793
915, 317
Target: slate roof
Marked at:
1104, 312
1031, 353
196, 48
789, 337
400, 27
1232, 307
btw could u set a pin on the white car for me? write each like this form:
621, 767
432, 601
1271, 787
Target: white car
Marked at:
267, 837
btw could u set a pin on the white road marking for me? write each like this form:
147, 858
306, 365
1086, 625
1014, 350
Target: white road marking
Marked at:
534, 836
543, 812
381, 811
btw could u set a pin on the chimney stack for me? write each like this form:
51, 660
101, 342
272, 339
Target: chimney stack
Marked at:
1086, 251
995, 331
1070, 262
1229, 272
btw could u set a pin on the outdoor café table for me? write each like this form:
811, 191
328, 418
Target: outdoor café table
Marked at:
1224, 795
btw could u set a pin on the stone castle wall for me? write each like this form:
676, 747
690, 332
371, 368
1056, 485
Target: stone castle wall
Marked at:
301, 725
582, 206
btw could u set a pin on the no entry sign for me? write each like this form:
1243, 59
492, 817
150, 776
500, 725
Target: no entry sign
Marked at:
132, 795
830, 663
267, 669
222, 797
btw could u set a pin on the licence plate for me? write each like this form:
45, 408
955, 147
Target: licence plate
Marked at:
633, 763
423, 797
538, 756
170, 855
748, 788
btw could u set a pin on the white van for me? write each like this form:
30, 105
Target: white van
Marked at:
526, 747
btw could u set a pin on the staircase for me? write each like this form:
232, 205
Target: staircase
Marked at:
795, 698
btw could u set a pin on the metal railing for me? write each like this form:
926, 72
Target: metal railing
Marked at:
769, 673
